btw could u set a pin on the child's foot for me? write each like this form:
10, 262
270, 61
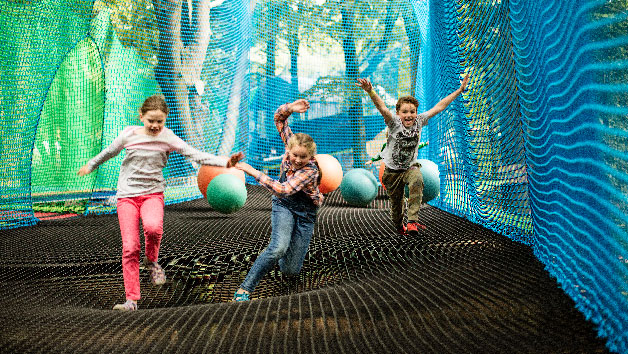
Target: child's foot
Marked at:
129, 305
402, 230
414, 227
157, 274
241, 295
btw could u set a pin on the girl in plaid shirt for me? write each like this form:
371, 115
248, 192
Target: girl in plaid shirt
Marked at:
295, 201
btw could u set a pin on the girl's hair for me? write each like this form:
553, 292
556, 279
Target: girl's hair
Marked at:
155, 102
407, 99
302, 139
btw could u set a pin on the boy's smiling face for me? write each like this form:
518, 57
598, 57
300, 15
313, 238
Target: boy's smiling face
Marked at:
407, 114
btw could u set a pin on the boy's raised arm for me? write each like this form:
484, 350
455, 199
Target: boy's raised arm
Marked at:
442, 104
366, 85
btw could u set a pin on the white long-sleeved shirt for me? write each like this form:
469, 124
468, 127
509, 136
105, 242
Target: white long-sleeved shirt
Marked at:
146, 156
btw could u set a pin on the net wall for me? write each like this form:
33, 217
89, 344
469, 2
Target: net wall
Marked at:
534, 150
572, 66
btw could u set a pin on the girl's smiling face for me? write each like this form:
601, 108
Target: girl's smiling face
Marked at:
154, 121
407, 113
299, 156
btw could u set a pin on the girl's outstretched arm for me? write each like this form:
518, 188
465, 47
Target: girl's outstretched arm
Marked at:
111, 151
295, 183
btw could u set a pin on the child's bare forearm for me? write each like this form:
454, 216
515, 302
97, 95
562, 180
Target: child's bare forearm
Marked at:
449, 99
380, 105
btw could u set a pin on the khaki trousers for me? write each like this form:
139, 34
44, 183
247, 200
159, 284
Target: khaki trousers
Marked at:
395, 182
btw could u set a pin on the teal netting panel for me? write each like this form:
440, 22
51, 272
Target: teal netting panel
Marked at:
572, 69
481, 143
538, 149
535, 149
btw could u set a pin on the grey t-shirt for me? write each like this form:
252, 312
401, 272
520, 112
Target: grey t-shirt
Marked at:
146, 156
401, 146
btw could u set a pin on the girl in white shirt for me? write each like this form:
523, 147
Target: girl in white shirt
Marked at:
140, 189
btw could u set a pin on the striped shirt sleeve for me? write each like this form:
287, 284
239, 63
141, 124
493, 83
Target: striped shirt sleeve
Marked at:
294, 183
281, 115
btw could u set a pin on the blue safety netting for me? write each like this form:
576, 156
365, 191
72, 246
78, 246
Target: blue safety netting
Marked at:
535, 149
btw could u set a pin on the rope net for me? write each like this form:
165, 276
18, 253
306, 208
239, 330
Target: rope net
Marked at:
534, 150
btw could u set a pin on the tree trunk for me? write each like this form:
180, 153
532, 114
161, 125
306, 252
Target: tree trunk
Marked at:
235, 108
382, 46
230, 124
271, 52
168, 70
294, 66
355, 102
179, 66
414, 40
293, 46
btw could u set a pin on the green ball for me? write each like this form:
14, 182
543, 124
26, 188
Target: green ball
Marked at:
357, 188
226, 193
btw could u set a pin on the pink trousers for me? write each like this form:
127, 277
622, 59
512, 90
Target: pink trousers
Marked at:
150, 208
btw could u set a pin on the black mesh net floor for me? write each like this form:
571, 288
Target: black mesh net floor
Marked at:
456, 288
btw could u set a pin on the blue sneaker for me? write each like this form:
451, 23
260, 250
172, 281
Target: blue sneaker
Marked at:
240, 297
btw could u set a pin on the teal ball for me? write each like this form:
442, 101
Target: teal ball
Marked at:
431, 180
370, 175
226, 193
357, 188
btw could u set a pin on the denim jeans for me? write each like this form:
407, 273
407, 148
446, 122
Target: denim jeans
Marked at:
292, 228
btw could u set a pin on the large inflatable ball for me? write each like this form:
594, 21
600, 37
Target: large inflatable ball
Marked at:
226, 193
431, 180
358, 187
331, 173
206, 173
370, 175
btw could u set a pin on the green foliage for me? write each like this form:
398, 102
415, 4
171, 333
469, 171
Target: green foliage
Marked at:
70, 206
319, 27
135, 25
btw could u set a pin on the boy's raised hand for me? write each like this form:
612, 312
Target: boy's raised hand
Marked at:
299, 106
233, 159
463, 84
365, 84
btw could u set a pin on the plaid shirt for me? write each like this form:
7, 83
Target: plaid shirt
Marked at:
304, 179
